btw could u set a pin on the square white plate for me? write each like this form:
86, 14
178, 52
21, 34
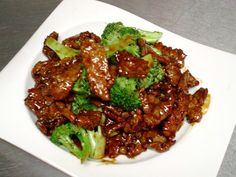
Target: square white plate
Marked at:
198, 151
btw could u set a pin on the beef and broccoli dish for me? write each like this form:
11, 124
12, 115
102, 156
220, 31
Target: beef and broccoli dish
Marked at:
120, 93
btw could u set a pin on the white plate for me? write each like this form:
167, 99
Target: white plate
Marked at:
198, 151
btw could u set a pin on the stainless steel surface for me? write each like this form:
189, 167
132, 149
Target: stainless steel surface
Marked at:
210, 22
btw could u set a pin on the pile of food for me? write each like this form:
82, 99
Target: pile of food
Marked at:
118, 94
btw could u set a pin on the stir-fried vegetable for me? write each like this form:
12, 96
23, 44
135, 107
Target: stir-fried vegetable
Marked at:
67, 135
155, 74
61, 50
124, 93
82, 93
146, 95
117, 37
80, 142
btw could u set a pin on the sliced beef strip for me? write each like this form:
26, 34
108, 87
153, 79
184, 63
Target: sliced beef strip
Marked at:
187, 81
173, 123
96, 64
156, 140
173, 73
57, 76
124, 143
86, 119
47, 112
146, 49
130, 66
168, 52
75, 41
157, 103
194, 113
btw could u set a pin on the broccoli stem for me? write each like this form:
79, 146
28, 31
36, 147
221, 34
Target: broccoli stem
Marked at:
98, 143
150, 36
61, 50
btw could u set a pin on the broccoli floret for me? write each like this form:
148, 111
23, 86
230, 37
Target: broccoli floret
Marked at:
82, 85
61, 50
117, 37
155, 74
124, 94
150, 36
82, 102
82, 93
92, 142
65, 135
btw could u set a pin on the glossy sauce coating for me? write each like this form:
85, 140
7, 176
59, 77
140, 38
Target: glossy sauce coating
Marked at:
96, 64
130, 66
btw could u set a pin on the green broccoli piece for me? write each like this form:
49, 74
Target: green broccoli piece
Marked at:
82, 93
158, 52
81, 86
117, 37
65, 135
150, 36
82, 102
61, 50
155, 74
124, 94
92, 143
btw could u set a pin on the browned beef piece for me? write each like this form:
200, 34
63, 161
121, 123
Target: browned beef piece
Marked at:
194, 113
135, 122
61, 83
112, 129
38, 103
96, 64
148, 101
86, 119
174, 54
113, 146
157, 103
134, 149
146, 49
143, 47
124, 143
41, 70
156, 140
173, 73
162, 147
173, 123
57, 76
50, 54
54, 80
120, 121
187, 81
47, 112
130, 66
75, 41
115, 114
